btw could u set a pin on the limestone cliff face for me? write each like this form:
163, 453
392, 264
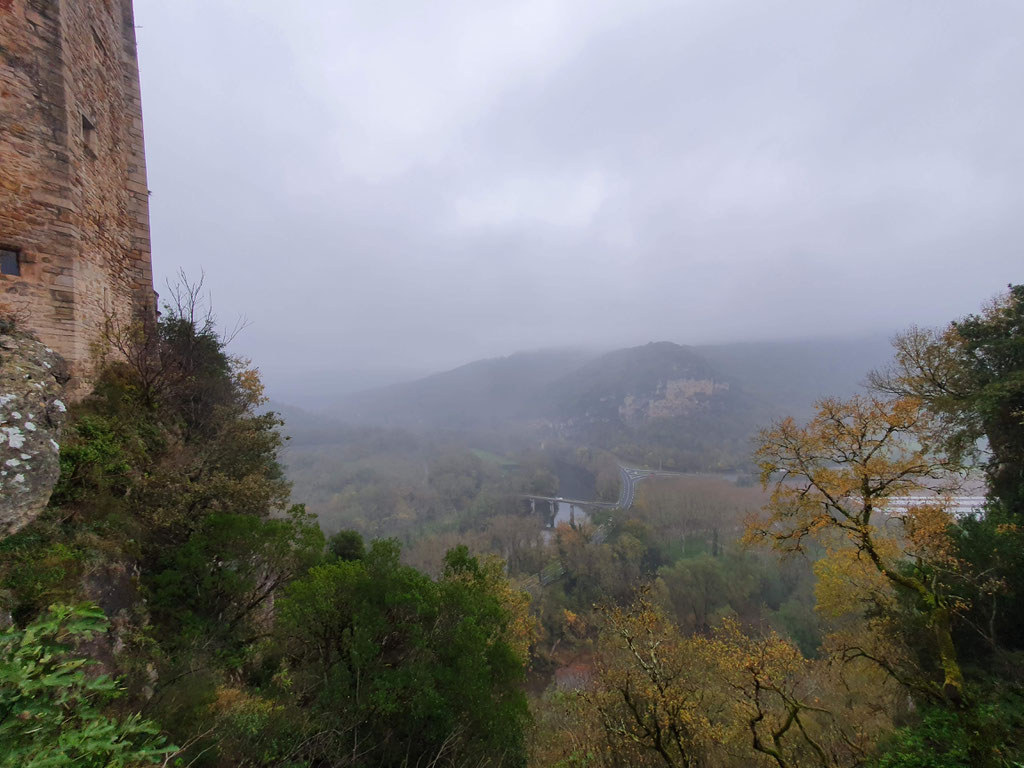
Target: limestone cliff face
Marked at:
672, 399
32, 413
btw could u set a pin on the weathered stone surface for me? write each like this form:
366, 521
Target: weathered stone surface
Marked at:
32, 412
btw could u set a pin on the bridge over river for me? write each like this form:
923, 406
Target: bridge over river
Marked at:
565, 510
629, 477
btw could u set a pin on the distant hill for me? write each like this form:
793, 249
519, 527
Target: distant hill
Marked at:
687, 407
659, 403
485, 395
791, 375
635, 385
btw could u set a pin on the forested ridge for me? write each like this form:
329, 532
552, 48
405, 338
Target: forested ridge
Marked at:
176, 605
688, 408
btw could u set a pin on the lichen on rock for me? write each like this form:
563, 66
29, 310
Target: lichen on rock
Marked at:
32, 379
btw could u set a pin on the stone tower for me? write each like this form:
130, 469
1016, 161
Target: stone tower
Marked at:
74, 205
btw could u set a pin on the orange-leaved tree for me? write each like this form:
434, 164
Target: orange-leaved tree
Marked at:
861, 480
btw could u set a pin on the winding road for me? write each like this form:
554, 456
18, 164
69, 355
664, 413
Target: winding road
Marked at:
629, 477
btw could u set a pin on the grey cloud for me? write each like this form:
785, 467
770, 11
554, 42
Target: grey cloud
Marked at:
397, 187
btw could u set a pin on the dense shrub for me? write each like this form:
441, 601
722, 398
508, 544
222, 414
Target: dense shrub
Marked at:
50, 703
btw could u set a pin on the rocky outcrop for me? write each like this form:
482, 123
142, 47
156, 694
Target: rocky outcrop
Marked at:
673, 399
32, 411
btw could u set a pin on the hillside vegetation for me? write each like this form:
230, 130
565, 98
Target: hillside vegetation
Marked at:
237, 632
174, 606
688, 408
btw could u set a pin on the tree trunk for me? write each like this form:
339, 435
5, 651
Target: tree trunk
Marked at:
953, 685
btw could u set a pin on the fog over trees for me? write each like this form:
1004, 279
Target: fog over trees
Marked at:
548, 384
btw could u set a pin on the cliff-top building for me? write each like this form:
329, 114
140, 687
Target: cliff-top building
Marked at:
74, 207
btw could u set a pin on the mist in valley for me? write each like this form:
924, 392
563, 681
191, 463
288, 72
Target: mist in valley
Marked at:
588, 383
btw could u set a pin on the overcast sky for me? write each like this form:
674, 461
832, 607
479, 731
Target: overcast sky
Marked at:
385, 187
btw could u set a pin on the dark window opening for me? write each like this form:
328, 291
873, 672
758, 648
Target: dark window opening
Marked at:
10, 262
89, 133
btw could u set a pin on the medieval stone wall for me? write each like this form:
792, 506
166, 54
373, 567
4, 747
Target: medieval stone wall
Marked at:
73, 195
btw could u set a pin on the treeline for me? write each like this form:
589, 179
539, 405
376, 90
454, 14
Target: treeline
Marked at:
390, 482
810, 622
171, 560
913, 655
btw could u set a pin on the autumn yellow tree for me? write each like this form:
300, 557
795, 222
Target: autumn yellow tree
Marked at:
861, 480
654, 692
765, 677
735, 697
971, 375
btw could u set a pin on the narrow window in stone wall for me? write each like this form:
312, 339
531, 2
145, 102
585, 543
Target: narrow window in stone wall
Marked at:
89, 134
10, 263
